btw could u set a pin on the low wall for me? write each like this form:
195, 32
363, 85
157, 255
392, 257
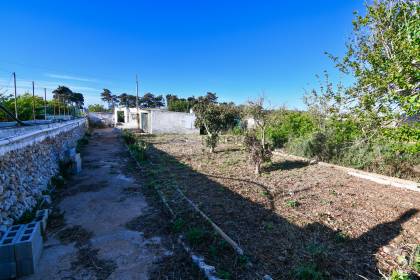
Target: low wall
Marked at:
28, 161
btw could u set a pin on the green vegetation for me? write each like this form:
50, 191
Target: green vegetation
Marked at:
292, 203
136, 146
308, 271
97, 108
399, 275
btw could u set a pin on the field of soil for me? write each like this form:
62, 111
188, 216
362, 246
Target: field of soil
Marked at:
294, 218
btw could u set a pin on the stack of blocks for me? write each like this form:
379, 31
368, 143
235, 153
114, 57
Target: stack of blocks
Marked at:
20, 250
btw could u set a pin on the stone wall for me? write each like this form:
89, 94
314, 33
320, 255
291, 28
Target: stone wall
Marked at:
27, 164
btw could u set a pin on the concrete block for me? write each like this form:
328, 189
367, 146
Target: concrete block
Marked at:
7, 270
70, 153
78, 160
42, 217
7, 243
28, 249
8, 267
77, 164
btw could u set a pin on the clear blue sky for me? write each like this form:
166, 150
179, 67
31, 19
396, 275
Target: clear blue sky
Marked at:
237, 49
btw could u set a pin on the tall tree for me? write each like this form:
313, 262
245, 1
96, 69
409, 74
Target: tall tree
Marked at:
149, 100
108, 97
383, 56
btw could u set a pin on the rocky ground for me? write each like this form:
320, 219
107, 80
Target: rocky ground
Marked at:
99, 228
295, 219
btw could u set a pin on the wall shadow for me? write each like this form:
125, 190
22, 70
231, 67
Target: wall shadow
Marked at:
275, 245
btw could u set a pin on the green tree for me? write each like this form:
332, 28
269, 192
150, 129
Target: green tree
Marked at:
383, 57
212, 117
149, 100
108, 97
96, 108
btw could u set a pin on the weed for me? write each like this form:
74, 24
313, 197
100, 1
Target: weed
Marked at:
268, 225
308, 271
223, 274
81, 142
242, 260
292, 203
195, 235
399, 275
341, 237
333, 192
178, 225
416, 263
316, 250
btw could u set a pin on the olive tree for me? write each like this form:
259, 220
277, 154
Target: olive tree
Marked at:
257, 149
213, 117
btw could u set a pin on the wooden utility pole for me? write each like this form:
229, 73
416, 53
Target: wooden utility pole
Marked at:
45, 103
14, 80
137, 102
33, 99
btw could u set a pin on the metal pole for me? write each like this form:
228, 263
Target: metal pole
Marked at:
137, 102
45, 103
16, 111
33, 99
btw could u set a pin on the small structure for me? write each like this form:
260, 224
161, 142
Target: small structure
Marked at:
155, 120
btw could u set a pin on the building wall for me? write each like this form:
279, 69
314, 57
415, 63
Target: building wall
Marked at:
159, 121
101, 119
28, 161
172, 122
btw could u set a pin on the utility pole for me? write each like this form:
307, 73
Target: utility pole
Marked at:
33, 99
137, 102
45, 103
14, 80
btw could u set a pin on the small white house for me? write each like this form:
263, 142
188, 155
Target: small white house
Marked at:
154, 120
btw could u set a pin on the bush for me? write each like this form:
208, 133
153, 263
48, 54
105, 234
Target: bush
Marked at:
285, 125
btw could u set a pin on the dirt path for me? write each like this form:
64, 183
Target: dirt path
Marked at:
103, 236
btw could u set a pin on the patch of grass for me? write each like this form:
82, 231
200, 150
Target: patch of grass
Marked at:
82, 142
341, 237
292, 203
308, 271
178, 225
223, 274
195, 235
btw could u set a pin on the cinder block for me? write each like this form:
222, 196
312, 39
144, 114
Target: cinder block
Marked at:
42, 217
77, 164
70, 153
7, 270
28, 249
7, 243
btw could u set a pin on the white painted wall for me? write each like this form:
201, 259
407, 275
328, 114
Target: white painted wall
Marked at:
159, 121
172, 122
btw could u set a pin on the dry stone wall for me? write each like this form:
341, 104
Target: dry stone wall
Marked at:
27, 167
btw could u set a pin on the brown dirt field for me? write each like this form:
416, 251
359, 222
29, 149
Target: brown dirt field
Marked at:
296, 216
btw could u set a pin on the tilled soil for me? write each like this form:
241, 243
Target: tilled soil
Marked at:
296, 219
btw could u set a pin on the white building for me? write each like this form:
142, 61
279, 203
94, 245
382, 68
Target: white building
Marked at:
156, 121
